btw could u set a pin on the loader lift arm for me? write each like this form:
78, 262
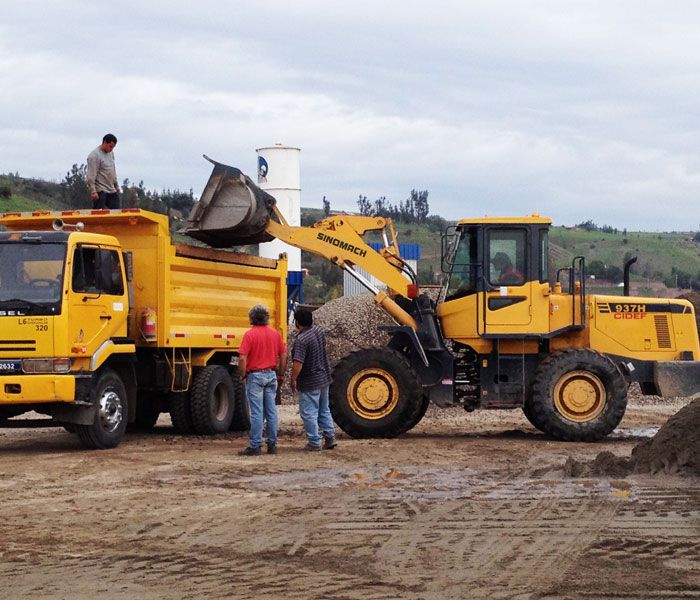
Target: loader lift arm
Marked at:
339, 239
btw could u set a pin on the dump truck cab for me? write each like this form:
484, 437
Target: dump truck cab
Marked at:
63, 311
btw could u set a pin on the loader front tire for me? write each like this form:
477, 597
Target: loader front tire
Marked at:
212, 400
375, 393
577, 396
111, 413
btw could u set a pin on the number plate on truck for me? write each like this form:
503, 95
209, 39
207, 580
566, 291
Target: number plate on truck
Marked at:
10, 366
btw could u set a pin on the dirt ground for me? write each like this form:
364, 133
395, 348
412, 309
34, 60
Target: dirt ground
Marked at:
464, 506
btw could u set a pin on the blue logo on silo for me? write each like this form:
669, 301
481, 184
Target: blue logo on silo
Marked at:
262, 170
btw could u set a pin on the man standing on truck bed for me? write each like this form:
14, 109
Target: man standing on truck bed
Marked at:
102, 174
262, 361
311, 376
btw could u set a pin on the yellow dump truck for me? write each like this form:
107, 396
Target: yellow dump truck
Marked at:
105, 321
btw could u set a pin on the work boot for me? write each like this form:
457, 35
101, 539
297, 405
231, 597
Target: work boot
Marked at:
329, 443
251, 451
272, 448
312, 448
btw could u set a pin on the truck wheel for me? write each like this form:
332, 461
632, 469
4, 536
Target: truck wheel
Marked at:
180, 413
375, 393
212, 400
107, 430
577, 395
241, 412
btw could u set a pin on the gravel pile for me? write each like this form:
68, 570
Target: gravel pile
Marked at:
351, 323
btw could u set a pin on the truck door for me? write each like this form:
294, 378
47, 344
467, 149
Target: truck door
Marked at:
508, 293
98, 297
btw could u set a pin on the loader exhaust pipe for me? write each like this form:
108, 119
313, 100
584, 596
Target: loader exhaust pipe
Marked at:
60, 225
626, 277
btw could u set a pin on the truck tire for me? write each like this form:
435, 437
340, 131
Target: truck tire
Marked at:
180, 413
241, 412
212, 400
375, 393
107, 430
577, 396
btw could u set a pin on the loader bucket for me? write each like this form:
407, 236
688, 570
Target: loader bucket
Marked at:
232, 211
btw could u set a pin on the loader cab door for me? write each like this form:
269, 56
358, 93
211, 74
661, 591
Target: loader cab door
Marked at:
507, 279
492, 269
98, 297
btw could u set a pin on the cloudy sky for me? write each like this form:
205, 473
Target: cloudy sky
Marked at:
577, 110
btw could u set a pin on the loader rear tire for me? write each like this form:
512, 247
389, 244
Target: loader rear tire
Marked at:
577, 396
212, 400
241, 412
180, 413
375, 393
111, 413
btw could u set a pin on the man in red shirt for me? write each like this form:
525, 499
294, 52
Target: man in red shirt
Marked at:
262, 361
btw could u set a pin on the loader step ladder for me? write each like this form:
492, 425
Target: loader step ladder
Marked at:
510, 378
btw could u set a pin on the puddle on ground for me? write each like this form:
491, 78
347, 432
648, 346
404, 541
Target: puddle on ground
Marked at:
430, 484
627, 433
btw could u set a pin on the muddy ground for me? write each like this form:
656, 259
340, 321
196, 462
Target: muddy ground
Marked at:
464, 506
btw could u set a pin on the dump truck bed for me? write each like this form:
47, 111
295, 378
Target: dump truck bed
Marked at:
201, 296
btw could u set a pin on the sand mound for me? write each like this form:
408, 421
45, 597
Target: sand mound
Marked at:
675, 449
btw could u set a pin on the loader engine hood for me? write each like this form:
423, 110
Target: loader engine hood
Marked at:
232, 211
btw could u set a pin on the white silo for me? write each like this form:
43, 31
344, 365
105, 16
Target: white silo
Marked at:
279, 176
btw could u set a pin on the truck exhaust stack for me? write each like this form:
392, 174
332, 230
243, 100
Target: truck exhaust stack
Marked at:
232, 211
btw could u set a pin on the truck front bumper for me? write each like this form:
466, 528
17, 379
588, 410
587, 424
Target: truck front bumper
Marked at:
30, 389
677, 377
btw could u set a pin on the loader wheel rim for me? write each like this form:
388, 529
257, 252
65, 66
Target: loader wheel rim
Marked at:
373, 393
580, 396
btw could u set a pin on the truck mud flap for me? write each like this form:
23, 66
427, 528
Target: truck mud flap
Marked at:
677, 378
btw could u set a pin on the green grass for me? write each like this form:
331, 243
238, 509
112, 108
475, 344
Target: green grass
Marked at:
21, 204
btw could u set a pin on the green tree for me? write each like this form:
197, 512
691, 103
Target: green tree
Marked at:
364, 206
74, 188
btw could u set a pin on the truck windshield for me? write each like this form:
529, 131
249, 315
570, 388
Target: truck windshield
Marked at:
31, 277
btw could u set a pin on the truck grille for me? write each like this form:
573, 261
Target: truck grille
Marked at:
17, 346
663, 335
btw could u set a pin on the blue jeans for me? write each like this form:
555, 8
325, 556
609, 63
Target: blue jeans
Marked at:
261, 388
316, 415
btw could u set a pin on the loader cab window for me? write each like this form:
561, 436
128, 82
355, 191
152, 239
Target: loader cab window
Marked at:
97, 271
507, 256
463, 260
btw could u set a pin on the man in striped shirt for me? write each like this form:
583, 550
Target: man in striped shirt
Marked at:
311, 377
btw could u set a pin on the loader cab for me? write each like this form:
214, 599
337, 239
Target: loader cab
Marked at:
495, 267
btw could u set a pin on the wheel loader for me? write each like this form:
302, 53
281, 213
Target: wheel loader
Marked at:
501, 334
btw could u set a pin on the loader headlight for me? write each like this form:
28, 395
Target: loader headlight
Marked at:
46, 365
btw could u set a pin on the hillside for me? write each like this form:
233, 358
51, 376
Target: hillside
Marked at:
666, 262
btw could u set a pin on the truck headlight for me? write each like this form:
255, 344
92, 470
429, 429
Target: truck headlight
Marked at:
46, 365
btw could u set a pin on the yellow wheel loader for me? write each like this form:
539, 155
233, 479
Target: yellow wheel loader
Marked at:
501, 335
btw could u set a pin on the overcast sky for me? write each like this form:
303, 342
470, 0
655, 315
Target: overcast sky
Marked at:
575, 110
